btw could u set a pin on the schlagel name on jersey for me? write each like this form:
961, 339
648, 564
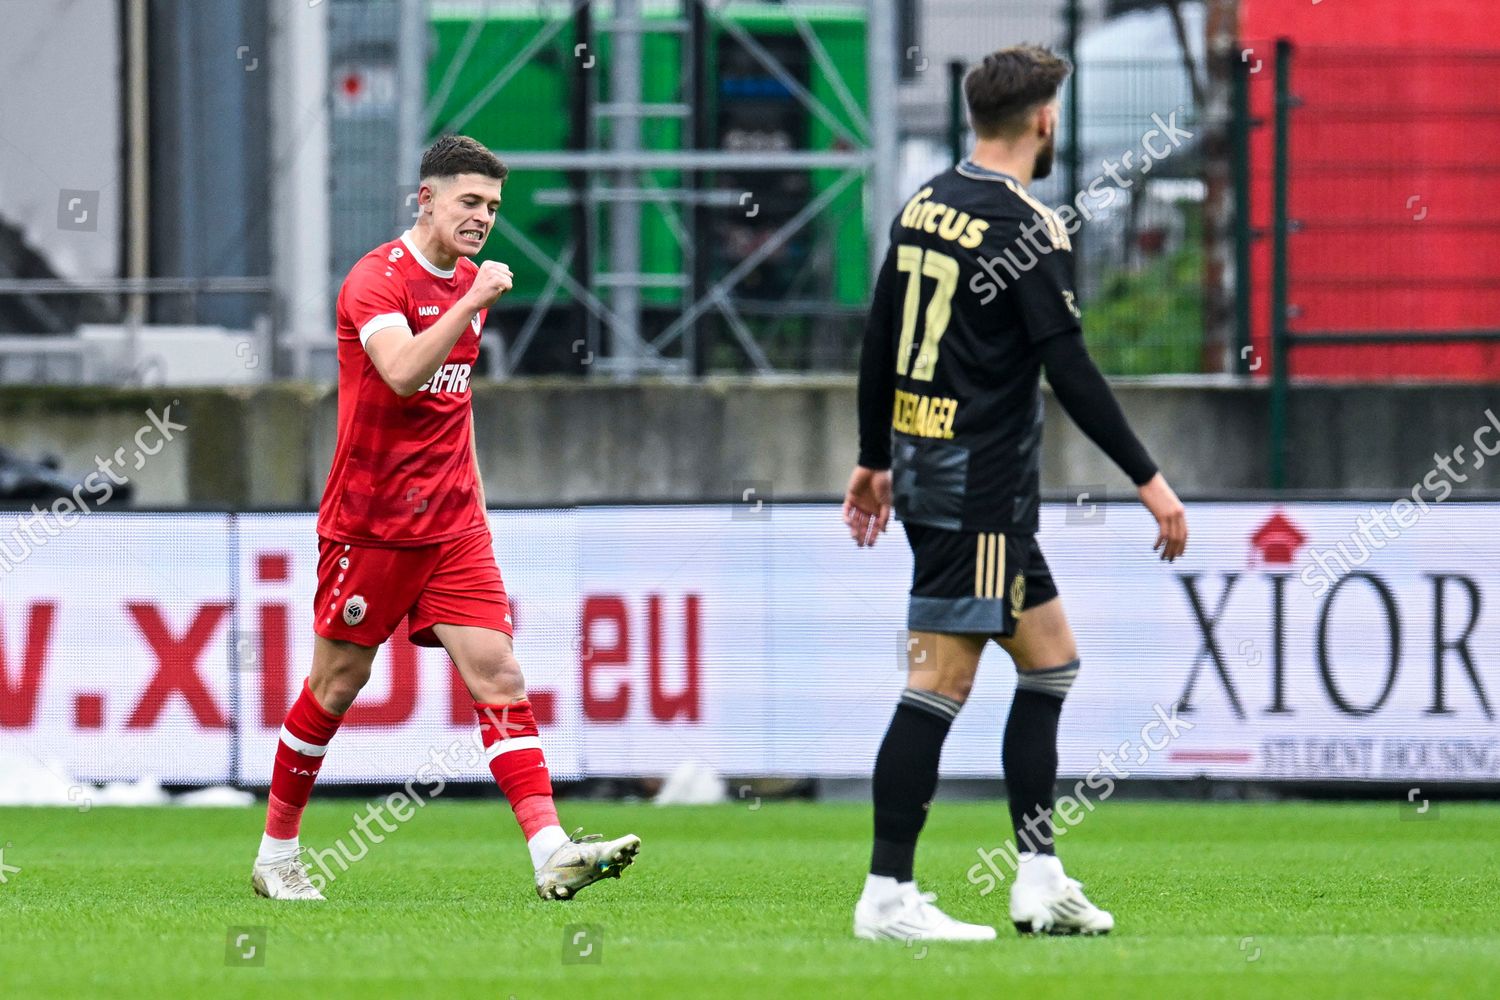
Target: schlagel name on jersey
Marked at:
449, 378
923, 416
946, 221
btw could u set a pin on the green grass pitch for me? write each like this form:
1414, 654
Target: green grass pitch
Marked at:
1211, 900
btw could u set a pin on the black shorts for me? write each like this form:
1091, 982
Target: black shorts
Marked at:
974, 582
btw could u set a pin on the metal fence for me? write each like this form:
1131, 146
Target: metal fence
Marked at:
702, 187
1378, 186
752, 263
693, 189
1140, 254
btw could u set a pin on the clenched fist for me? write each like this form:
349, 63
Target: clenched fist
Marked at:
492, 281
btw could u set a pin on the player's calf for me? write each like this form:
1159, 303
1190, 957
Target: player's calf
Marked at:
563, 864
305, 736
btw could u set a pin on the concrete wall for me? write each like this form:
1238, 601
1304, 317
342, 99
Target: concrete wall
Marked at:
564, 440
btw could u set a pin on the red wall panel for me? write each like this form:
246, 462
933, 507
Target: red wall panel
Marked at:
1394, 182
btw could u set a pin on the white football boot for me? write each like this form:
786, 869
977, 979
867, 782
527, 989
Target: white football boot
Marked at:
582, 862
1043, 900
908, 915
283, 880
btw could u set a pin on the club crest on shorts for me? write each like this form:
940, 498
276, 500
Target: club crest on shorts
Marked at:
354, 610
1017, 594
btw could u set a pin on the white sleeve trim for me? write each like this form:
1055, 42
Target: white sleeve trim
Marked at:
380, 323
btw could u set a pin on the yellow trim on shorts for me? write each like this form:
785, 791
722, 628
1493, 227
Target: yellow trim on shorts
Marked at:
989, 564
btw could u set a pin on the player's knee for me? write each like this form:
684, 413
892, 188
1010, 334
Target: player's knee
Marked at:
341, 689
956, 686
1036, 656
338, 677
497, 677
1054, 681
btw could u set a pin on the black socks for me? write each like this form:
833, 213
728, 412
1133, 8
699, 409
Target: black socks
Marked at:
906, 774
1030, 760
906, 769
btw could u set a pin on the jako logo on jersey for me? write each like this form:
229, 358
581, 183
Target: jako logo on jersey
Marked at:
354, 610
429, 310
396, 254
449, 378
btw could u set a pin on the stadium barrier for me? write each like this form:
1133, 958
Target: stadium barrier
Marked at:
1323, 641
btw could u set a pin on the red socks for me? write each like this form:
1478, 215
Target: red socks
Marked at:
512, 746
299, 755
513, 751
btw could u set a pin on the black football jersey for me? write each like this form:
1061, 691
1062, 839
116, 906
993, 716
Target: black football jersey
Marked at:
978, 274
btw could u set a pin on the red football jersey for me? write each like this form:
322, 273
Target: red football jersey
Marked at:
403, 471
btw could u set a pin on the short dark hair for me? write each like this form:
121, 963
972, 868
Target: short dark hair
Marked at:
452, 155
1002, 90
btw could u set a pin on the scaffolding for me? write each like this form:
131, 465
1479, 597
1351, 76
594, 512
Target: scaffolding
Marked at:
612, 175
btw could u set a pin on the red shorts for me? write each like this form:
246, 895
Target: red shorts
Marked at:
365, 591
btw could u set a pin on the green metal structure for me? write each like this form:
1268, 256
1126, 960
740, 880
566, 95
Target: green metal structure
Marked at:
530, 112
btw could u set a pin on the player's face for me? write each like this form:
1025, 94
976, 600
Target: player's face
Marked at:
463, 211
1046, 155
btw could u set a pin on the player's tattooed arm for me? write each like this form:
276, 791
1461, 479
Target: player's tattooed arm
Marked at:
406, 362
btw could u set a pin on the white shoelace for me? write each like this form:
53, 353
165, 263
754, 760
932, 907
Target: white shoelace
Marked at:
923, 907
294, 875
